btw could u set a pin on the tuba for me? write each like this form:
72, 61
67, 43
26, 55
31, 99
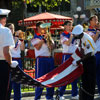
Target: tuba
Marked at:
48, 36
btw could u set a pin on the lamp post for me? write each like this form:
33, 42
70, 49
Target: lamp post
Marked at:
79, 15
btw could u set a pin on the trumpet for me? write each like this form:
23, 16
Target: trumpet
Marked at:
48, 36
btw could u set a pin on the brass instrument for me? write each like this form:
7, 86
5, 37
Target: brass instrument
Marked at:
48, 36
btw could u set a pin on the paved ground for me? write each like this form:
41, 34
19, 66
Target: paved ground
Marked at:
30, 95
67, 97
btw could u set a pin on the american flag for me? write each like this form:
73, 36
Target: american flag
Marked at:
60, 76
64, 74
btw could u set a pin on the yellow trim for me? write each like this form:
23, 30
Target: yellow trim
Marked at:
85, 44
91, 44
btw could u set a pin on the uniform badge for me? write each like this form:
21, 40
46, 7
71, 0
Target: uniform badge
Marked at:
88, 46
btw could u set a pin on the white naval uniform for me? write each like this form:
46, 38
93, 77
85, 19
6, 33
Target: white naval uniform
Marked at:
89, 66
6, 39
87, 44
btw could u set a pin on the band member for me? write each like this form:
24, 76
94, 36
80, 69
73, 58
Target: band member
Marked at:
68, 49
94, 32
6, 40
16, 56
44, 61
92, 28
87, 49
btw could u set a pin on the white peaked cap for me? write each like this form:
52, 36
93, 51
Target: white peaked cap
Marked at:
4, 11
78, 29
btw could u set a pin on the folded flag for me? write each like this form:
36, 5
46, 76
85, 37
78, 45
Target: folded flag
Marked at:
60, 76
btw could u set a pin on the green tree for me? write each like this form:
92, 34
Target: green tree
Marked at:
47, 3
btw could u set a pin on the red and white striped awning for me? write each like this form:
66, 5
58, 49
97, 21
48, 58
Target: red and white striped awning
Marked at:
46, 17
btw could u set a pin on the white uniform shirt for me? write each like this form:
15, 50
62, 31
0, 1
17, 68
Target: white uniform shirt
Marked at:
67, 49
87, 44
97, 42
16, 52
6, 39
44, 51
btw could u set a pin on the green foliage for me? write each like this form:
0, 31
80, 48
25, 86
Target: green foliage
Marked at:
47, 3
16, 4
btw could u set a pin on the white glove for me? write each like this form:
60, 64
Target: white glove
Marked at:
14, 64
74, 63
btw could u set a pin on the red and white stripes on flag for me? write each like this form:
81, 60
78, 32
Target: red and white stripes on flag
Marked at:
64, 74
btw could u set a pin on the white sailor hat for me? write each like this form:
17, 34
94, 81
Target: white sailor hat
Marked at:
78, 29
4, 12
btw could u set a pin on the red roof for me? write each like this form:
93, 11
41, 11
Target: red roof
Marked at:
47, 16
55, 19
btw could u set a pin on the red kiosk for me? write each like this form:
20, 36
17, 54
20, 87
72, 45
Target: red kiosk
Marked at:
56, 20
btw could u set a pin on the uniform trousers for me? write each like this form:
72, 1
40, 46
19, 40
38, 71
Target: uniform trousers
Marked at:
15, 86
88, 79
98, 71
4, 79
74, 83
43, 66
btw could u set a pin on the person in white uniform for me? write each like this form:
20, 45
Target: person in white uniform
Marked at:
94, 32
44, 62
68, 49
87, 49
6, 40
16, 56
